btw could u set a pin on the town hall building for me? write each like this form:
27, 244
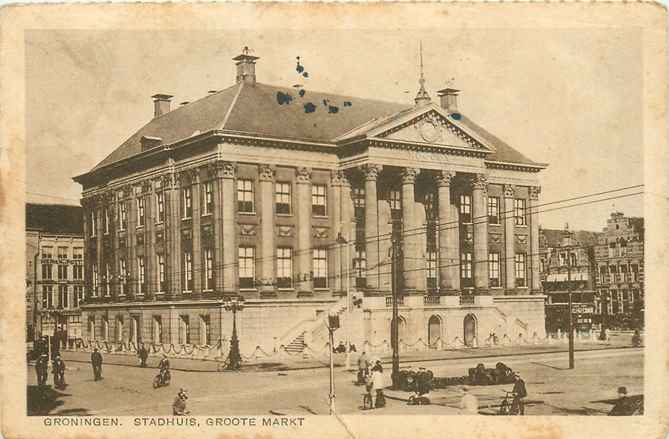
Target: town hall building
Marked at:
288, 198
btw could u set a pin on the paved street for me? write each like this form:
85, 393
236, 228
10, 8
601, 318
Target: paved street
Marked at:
552, 388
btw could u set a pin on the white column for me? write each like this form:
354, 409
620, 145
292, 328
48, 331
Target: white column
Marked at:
371, 173
448, 236
304, 230
509, 237
266, 210
480, 220
534, 238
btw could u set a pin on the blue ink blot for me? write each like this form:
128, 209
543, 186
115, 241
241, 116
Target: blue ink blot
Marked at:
347, 103
456, 116
302, 93
283, 98
309, 107
333, 109
305, 74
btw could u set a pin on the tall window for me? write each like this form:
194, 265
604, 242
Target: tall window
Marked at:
77, 296
184, 330
157, 329
208, 205
466, 269
358, 195
360, 267
188, 270
208, 269
282, 198
284, 267
47, 294
123, 215
94, 224
62, 253
105, 221
520, 270
395, 200
493, 269
78, 272
465, 208
78, 253
519, 211
187, 202
320, 264
572, 259
205, 330
62, 272
431, 263
245, 198
107, 279
62, 296
247, 267
95, 280
161, 273
634, 271
493, 210
160, 207
47, 272
319, 200
141, 274
123, 274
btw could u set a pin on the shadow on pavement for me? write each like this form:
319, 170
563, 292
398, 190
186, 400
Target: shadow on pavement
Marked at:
42, 400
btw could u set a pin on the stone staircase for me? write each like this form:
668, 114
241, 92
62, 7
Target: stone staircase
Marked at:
297, 345
310, 330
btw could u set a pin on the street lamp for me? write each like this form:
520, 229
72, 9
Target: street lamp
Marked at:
234, 304
347, 242
394, 325
333, 325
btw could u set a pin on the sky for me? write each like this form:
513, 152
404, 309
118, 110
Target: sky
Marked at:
571, 98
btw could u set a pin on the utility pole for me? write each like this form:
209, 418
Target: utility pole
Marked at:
571, 312
395, 273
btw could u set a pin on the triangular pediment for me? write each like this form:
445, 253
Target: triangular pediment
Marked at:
432, 127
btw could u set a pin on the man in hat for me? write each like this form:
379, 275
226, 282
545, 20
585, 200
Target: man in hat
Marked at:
143, 354
378, 385
96, 362
58, 373
41, 367
519, 392
179, 406
363, 367
623, 405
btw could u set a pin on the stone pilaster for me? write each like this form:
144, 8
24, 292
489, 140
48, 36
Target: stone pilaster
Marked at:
150, 263
348, 230
448, 236
173, 234
534, 238
228, 212
509, 237
266, 211
303, 253
336, 254
198, 272
99, 212
410, 231
480, 220
371, 173
131, 244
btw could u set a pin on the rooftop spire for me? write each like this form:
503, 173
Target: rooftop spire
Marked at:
422, 98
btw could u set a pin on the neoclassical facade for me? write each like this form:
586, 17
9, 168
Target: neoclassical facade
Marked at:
289, 198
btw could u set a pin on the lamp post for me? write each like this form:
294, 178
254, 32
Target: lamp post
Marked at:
333, 325
394, 325
234, 304
347, 242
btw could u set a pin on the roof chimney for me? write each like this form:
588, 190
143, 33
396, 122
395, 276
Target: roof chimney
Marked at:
161, 104
246, 67
449, 99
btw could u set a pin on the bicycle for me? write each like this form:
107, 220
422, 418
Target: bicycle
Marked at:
162, 379
513, 408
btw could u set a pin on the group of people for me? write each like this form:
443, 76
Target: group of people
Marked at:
57, 368
372, 379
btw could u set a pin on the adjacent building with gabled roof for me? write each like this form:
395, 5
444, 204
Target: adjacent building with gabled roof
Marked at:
288, 197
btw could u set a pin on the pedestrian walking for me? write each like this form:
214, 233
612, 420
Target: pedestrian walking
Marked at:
519, 392
363, 367
469, 405
41, 368
179, 405
96, 361
58, 373
378, 385
143, 354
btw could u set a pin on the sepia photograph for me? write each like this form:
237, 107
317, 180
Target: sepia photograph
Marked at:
252, 225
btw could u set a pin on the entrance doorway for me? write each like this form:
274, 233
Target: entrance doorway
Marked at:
433, 331
470, 329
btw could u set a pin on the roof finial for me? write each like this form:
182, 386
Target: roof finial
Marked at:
422, 98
